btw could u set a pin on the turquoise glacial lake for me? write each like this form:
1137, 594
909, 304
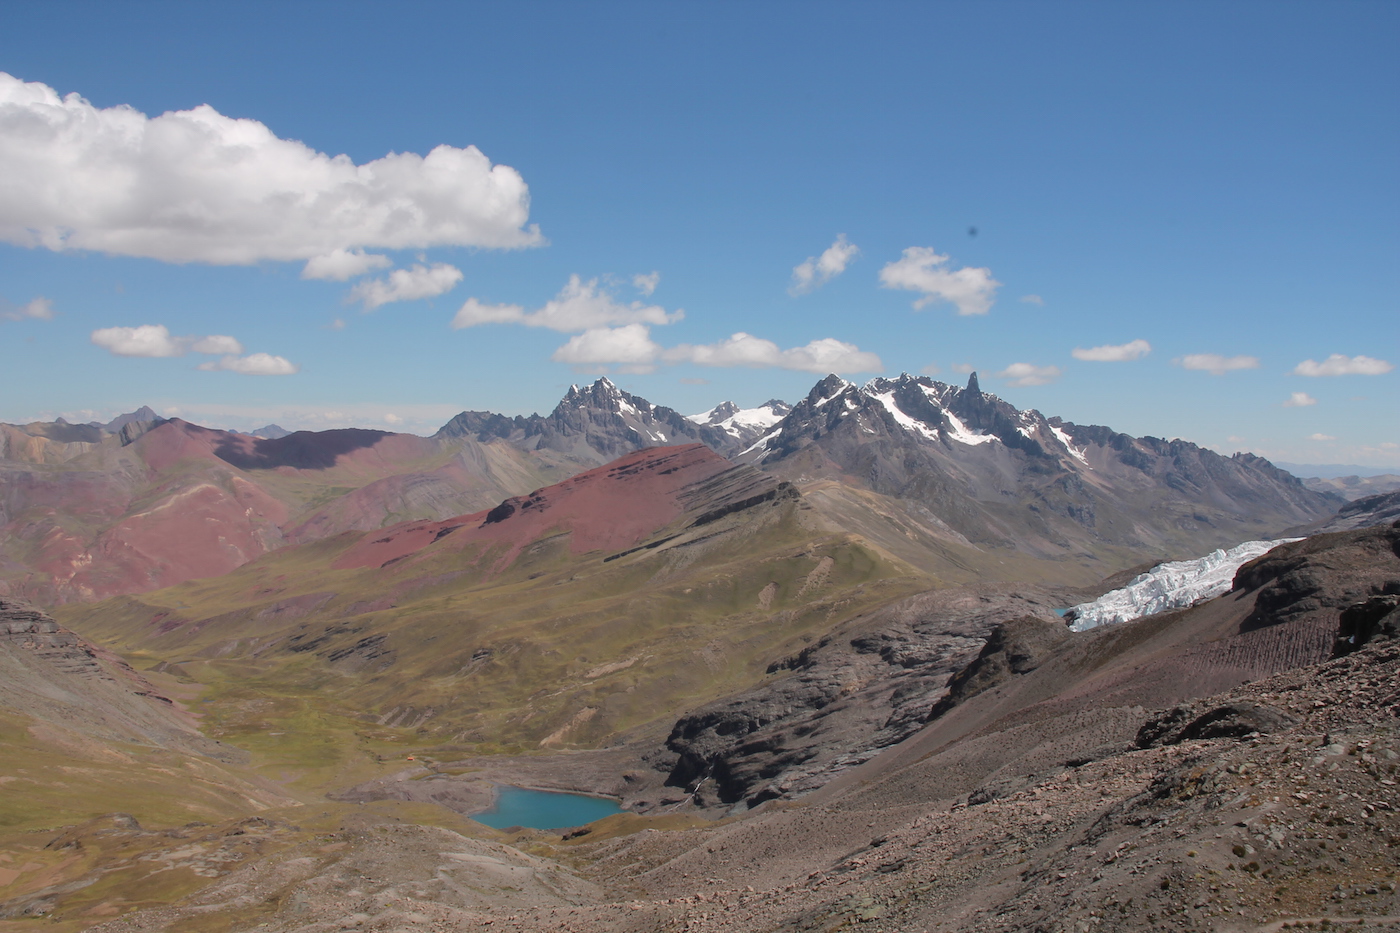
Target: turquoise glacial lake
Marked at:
543, 809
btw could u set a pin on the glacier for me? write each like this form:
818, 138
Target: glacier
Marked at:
1173, 585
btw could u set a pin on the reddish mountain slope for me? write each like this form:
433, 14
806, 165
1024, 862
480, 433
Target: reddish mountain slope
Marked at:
609, 508
85, 514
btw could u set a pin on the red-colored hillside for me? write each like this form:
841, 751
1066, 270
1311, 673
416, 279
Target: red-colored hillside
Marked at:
608, 508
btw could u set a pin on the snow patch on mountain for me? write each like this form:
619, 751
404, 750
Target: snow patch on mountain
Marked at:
1064, 438
1173, 585
886, 399
962, 435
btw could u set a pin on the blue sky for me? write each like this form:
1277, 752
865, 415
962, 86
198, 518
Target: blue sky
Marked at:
1206, 193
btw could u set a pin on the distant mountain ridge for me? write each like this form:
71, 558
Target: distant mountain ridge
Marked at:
911, 462
999, 476
594, 424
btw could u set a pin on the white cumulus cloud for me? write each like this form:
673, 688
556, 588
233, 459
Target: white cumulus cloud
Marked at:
1321, 437
155, 340
816, 271
197, 186
826, 355
1114, 353
36, 309
646, 283
341, 264
407, 285
254, 364
1215, 364
1027, 374
971, 289
579, 306
1339, 365
1299, 400
629, 346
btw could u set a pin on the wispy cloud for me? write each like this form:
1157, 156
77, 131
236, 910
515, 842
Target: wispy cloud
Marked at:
1339, 365
1032, 299
1215, 364
197, 186
1299, 400
646, 283
972, 290
407, 285
1321, 437
36, 309
1027, 374
1114, 353
816, 271
579, 306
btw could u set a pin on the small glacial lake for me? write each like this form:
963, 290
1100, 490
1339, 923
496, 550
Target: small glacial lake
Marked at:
543, 809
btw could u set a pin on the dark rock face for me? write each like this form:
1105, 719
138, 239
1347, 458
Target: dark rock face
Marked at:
1377, 619
1014, 647
1324, 572
1231, 720
864, 687
1382, 508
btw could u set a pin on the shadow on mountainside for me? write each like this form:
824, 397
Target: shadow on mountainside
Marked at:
303, 450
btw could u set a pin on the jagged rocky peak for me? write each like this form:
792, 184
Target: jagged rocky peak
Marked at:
910, 409
603, 393
597, 423
144, 413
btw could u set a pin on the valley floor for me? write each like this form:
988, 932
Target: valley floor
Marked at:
1255, 832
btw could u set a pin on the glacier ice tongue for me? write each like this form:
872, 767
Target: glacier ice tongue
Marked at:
1173, 585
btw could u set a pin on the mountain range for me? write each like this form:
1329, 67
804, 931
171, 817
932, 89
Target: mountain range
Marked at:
89, 511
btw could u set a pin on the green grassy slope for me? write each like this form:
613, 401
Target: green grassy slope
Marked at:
325, 675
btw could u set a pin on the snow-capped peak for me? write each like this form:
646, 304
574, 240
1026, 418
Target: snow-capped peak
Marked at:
743, 424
